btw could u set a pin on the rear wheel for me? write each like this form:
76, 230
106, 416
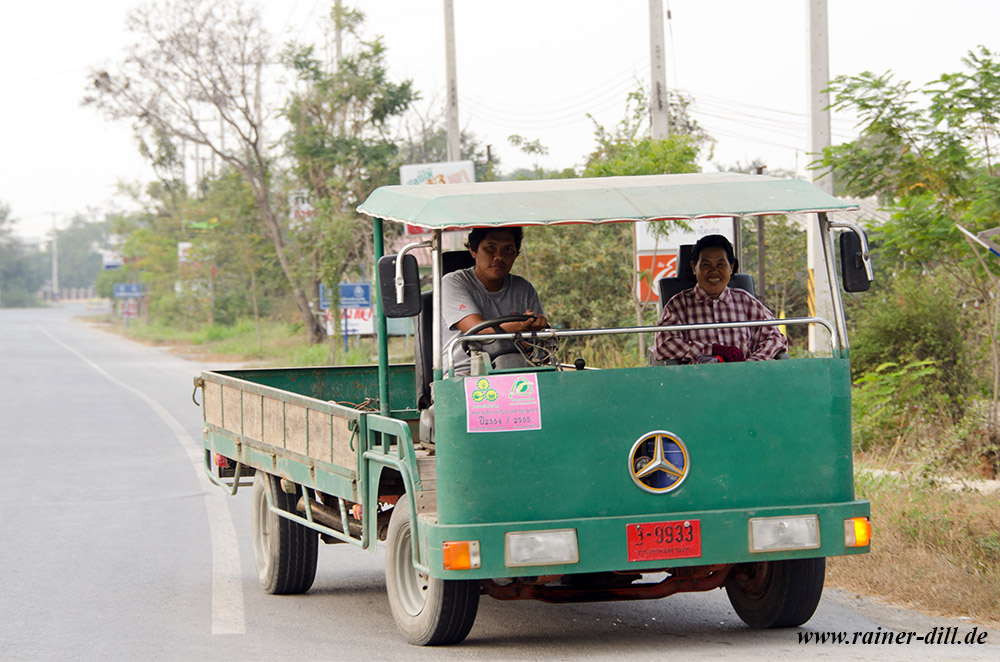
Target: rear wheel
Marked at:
284, 551
776, 594
428, 611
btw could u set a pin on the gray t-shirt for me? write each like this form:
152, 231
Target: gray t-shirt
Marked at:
463, 294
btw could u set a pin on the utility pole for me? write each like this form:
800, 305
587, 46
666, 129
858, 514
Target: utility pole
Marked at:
454, 136
659, 107
659, 118
55, 258
819, 138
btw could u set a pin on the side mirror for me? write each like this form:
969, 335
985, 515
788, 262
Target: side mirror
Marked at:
410, 305
852, 263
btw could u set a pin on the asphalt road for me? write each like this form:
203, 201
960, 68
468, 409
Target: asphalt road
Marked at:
114, 546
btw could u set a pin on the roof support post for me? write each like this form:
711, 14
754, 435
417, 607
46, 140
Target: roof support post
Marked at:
381, 328
436, 322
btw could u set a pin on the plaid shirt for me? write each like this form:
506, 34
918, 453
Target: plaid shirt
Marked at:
694, 306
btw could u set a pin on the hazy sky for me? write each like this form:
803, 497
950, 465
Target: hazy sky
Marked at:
535, 68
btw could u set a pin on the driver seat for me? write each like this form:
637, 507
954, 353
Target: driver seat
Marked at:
423, 345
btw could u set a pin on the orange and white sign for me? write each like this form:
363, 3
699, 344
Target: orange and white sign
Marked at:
652, 267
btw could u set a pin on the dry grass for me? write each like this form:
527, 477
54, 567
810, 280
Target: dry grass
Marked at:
935, 550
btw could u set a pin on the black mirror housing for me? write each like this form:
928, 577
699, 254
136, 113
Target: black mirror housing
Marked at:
852, 264
410, 305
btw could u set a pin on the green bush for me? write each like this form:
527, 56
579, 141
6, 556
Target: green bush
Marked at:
887, 403
915, 318
168, 309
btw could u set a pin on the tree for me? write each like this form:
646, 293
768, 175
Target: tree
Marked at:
241, 260
79, 251
785, 290
196, 65
629, 149
341, 144
22, 270
148, 242
607, 296
424, 139
935, 162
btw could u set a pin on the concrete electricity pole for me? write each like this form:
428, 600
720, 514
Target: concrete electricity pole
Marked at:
819, 138
454, 137
55, 258
659, 108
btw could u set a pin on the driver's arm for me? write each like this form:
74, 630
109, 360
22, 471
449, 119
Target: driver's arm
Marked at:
537, 323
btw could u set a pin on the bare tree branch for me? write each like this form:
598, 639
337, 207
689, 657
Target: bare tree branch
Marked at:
198, 61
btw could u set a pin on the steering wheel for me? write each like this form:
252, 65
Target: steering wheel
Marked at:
491, 324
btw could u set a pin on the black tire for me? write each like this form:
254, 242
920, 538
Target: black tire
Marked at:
428, 611
283, 551
776, 594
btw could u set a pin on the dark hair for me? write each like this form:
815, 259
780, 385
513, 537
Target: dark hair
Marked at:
714, 241
478, 234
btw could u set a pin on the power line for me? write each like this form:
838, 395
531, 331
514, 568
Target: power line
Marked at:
612, 97
594, 94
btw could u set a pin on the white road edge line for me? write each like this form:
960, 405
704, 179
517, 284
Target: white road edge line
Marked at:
228, 615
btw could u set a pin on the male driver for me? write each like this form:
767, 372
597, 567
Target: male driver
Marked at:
487, 291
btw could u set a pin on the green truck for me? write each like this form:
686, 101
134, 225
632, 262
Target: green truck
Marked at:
562, 481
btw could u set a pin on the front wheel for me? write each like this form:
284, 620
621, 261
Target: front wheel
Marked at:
428, 611
284, 551
776, 594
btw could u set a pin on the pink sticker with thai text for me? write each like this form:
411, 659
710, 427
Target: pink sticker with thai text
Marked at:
502, 403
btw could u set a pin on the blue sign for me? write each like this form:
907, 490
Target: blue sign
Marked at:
355, 295
324, 297
128, 290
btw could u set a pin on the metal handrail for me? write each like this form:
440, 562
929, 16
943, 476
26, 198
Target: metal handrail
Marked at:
576, 333
399, 281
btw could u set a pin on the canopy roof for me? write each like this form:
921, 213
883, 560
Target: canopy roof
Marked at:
597, 200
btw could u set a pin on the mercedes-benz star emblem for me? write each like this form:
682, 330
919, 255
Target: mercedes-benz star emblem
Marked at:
658, 462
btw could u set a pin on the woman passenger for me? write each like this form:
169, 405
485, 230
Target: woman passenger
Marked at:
712, 300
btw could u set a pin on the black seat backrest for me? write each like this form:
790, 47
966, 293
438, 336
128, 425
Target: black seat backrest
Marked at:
685, 280
423, 345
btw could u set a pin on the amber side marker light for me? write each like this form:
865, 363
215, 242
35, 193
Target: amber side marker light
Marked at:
460, 555
857, 532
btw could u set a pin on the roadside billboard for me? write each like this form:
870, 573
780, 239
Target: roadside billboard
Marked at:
448, 172
301, 211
